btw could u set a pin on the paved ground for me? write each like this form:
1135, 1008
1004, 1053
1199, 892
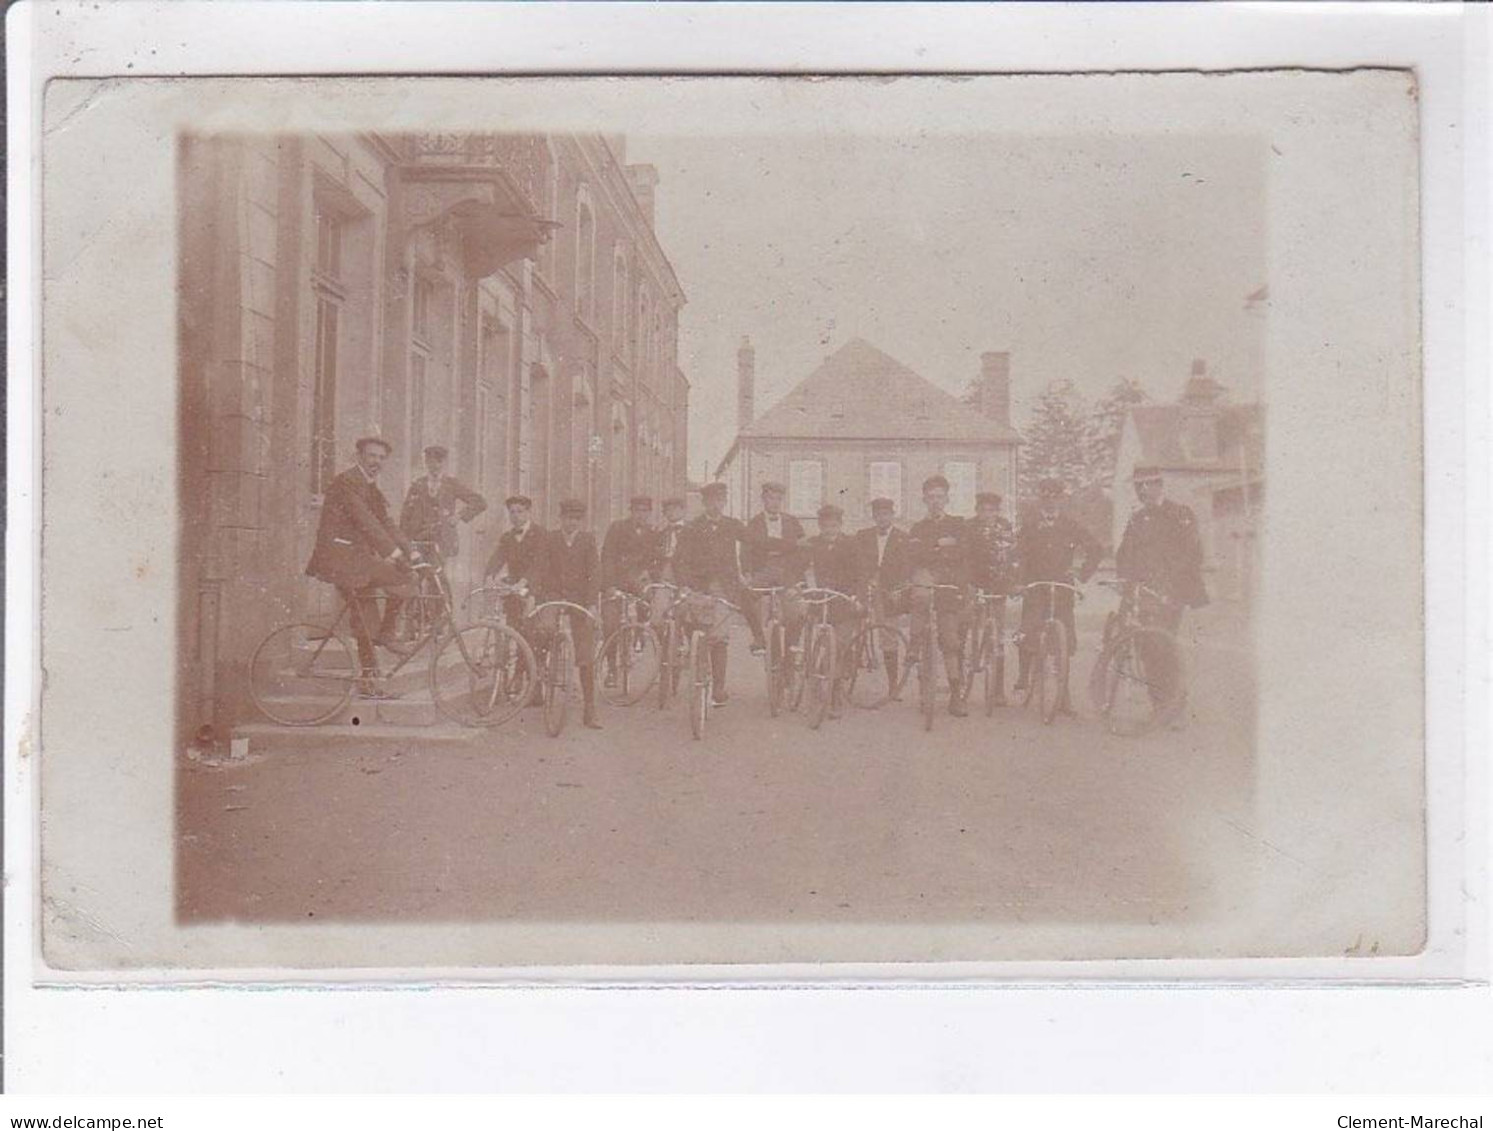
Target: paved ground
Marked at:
868, 818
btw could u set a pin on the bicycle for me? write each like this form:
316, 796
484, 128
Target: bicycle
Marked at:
1138, 682
1048, 675
875, 663
485, 672
305, 674
924, 646
780, 663
556, 656
822, 669
985, 645
701, 639
631, 653
672, 643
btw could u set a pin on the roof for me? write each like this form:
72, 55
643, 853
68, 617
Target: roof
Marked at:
1159, 430
859, 392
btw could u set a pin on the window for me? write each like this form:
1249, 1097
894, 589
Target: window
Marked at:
417, 407
420, 322
328, 243
961, 475
884, 481
585, 256
483, 424
805, 486
619, 301
550, 202
324, 395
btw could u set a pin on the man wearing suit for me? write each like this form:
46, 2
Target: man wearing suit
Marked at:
941, 556
666, 542
360, 551
430, 506
1046, 545
627, 555
707, 562
771, 557
993, 544
836, 562
886, 554
518, 556
568, 571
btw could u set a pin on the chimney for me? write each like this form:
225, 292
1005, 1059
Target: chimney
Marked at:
746, 383
643, 179
995, 387
1201, 393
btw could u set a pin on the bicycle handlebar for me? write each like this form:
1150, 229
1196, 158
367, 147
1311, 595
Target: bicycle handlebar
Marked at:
1052, 585
825, 595
539, 608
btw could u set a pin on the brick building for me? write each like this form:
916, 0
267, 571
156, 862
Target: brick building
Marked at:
863, 425
502, 295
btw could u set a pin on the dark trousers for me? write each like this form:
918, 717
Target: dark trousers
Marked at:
1161, 664
1033, 613
368, 624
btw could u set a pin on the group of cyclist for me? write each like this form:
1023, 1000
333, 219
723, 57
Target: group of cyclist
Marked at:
881, 573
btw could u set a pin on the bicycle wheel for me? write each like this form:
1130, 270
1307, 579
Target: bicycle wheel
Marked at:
700, 682
668, 659
819, 674
302, 674
559, 680
1129, 686
927, 678
1050, 671
969, 654
630, 657
993, 667
482, 674
793, 671
773, 660
877, 662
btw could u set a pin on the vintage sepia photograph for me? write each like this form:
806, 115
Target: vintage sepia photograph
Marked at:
781, 509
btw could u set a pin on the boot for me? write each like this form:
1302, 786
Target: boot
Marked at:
588, 698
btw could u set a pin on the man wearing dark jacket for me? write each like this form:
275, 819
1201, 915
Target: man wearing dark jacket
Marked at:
627, 562
941, 556
1161, 549
569, 572
771, 557
1046, 545
360, 551
886, 564
519, 555
707, 561
431, 505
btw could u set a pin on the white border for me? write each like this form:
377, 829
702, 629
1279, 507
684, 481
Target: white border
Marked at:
239, 38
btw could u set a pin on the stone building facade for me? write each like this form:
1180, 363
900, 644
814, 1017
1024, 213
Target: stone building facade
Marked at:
502, 295
863, 426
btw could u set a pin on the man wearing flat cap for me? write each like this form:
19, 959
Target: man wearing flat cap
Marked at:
835, 562
666, 542
771, 558
435, 502
707, 561
361, 551
1046, 546
1162, 551
993, 546
941, 556
519, 554
886, 551
627, 554
569, 572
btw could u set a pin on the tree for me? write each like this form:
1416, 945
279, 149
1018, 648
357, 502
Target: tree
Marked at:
1105, 423
1056, 434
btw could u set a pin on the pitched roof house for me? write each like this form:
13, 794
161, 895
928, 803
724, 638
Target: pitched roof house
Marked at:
863, 425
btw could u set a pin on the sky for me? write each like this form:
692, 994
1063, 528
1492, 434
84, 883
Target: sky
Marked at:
1087, 257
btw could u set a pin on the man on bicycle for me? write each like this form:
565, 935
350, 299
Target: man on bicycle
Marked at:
771, 558
627, 554
1161, 550
430, 506
666, 542
886, 555
707, 562
835, 562
518, 556
941, 556
1046, 545
568, 571
361, 551
993, 544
